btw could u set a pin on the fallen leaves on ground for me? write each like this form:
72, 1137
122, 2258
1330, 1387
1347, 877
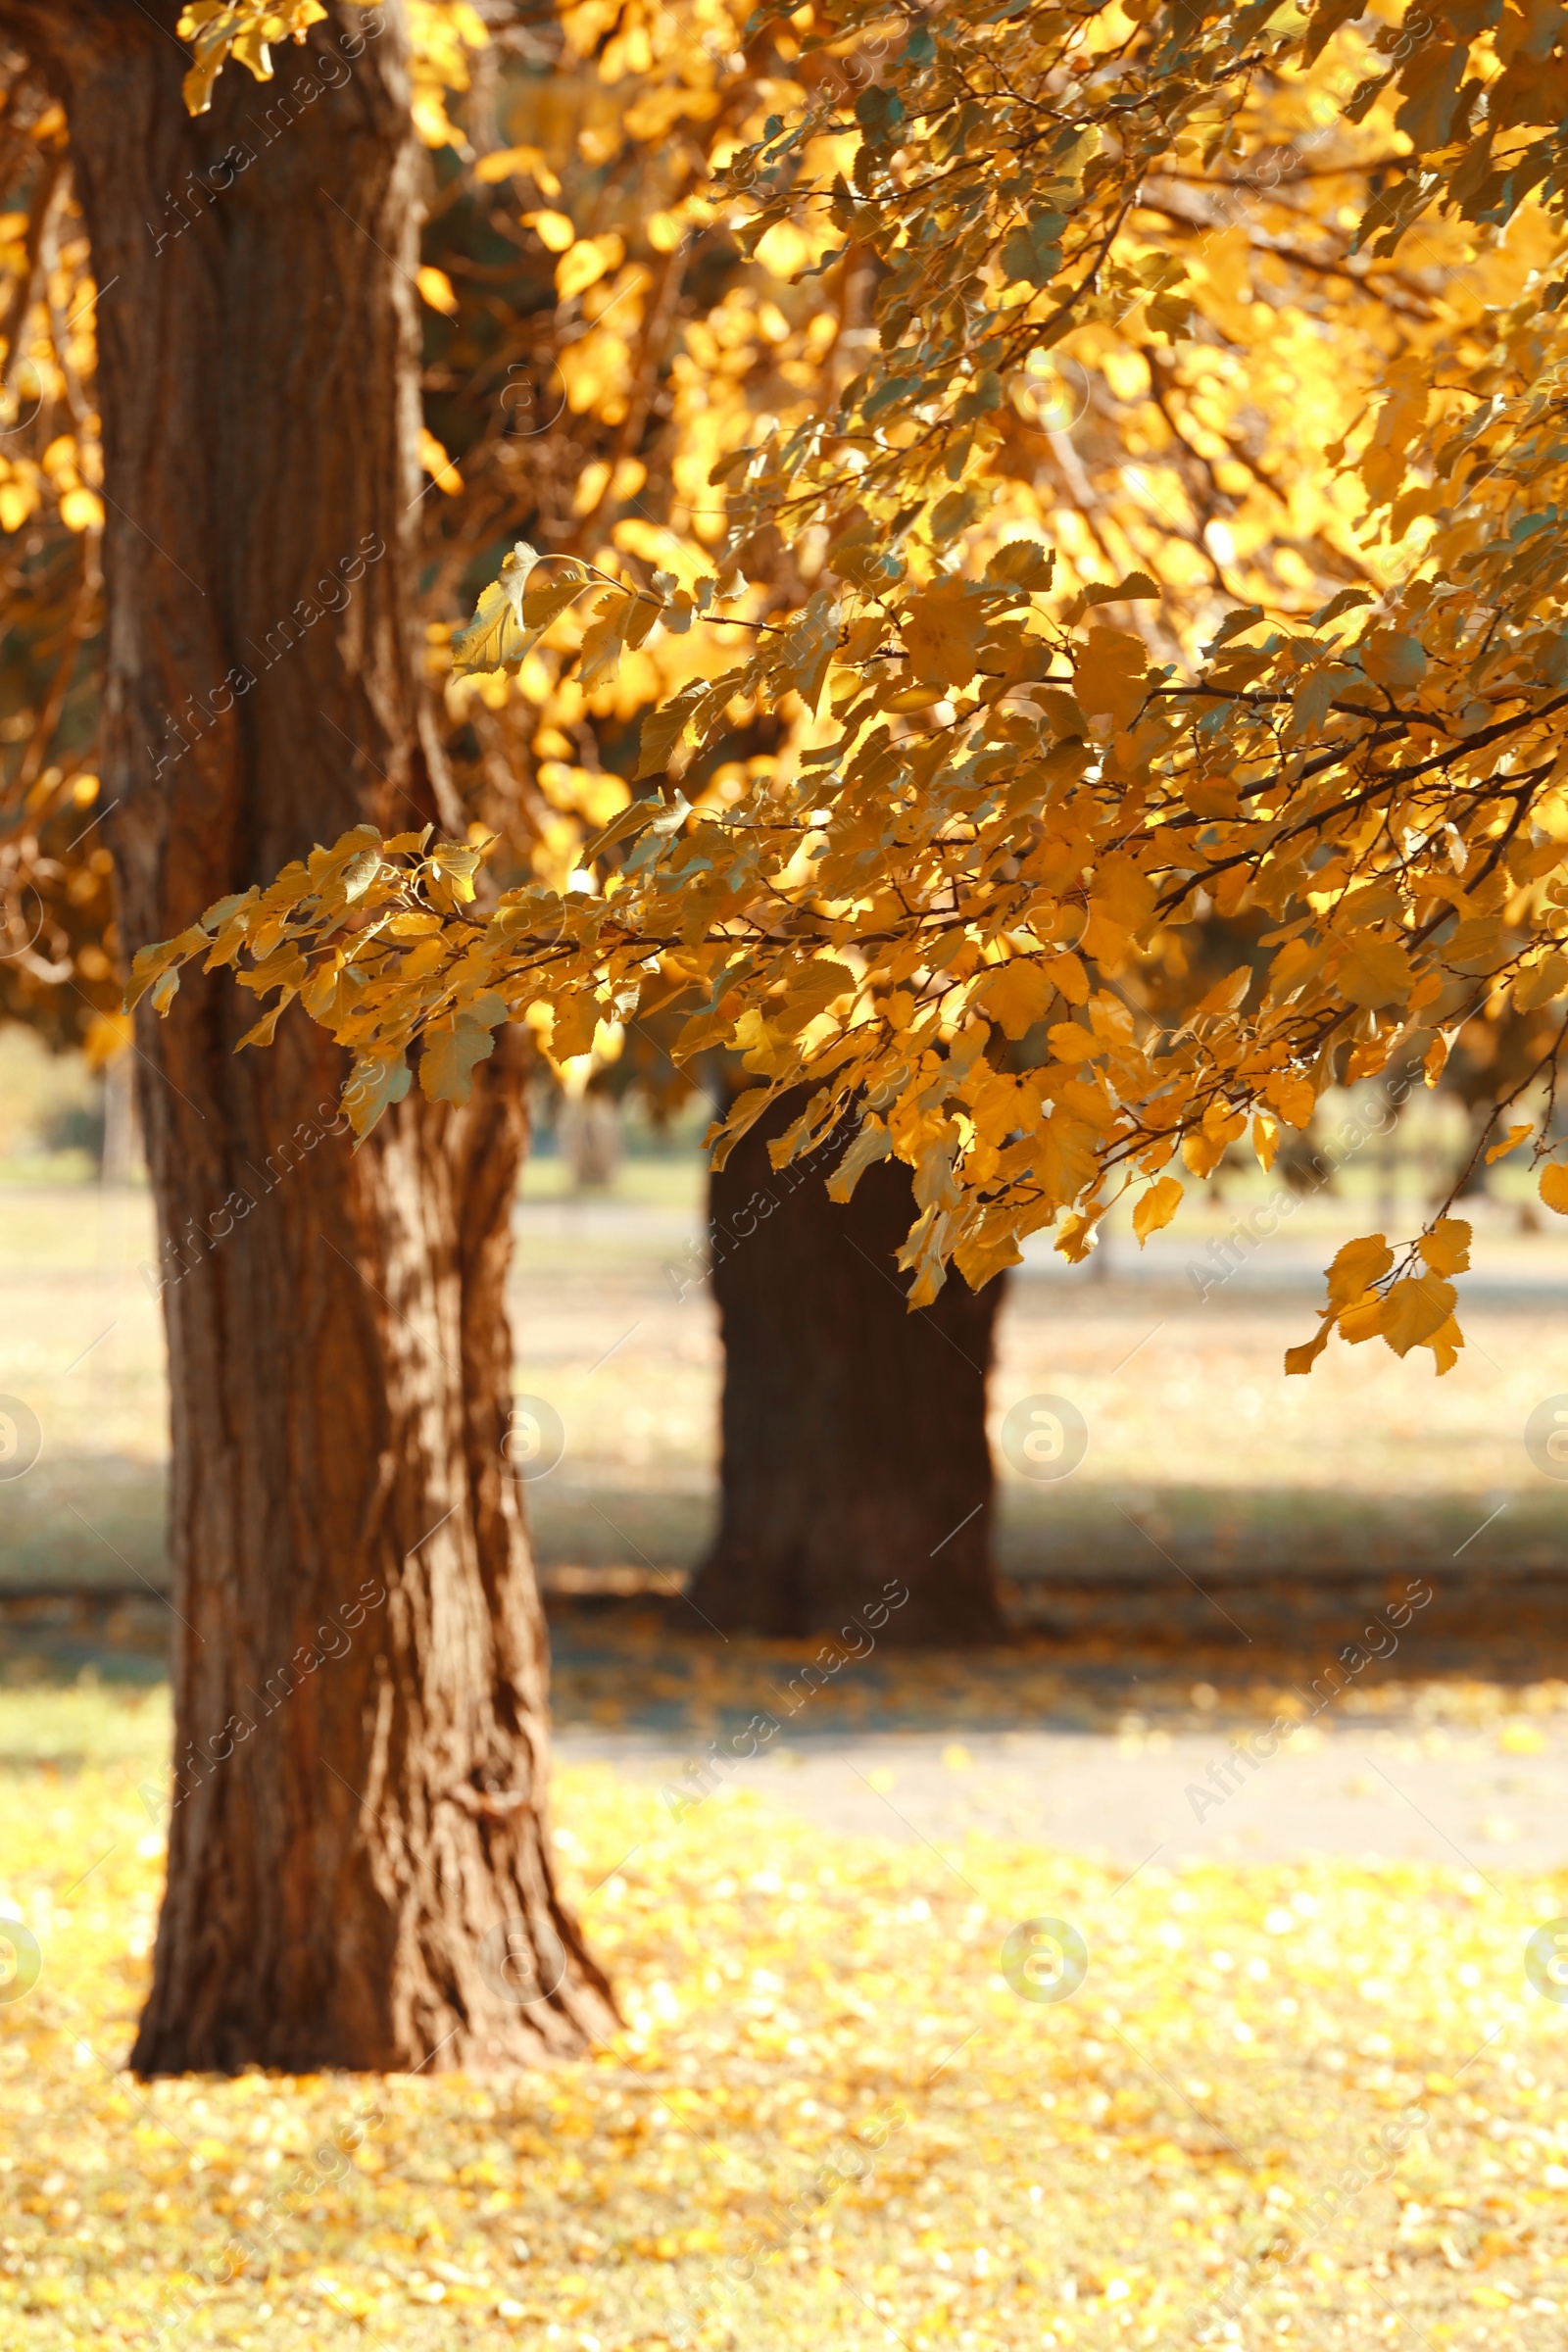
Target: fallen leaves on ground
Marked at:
831, 2119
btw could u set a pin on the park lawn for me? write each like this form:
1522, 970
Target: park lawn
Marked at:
830, 2120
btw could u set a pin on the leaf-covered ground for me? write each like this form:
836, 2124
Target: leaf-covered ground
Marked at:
831, 2119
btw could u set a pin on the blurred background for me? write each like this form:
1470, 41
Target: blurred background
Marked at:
1215, 1494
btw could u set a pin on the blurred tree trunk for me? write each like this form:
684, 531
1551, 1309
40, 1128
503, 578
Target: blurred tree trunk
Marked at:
854, 1431
359, 1864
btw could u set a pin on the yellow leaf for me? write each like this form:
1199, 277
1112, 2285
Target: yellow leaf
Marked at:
1077, 1238
587, 263
544, 598
1446, 1247
1156, 1207
1437, 1055
1228, 994
447, 1064
818, 985
495, 638
1068, 1163
1375, 971
940, 629
1108, 677
1357, 1267
554, 231
1071, 1042
872, 1143
108, 1034
1392, 657
572, 1028
508, 160
1414, 1309
1555, 1186
436, 287
1202, 1152
1120, 903
1361, 1319
979, 1259
1478, 939
1292, 1096
82, 511
435, 461
1445, 1342
1265, 1140
1510, 1141
1016, 995
603, 639
1303, 1358
1071, 978
1542, 982
371, 1086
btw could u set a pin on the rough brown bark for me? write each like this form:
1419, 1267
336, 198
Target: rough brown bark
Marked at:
854, 1434
359, 1868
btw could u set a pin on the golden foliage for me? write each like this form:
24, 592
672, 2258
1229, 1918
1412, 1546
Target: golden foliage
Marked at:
1277, 244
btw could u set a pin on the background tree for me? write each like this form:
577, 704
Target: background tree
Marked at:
854, 1433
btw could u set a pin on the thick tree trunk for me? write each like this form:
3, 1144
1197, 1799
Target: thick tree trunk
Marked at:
359, 1866
854, 1431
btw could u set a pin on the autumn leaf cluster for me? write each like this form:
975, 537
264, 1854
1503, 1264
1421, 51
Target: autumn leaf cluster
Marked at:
955, 909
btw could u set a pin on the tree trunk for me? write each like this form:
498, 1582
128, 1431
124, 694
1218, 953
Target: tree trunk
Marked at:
854, 1431
359, 1862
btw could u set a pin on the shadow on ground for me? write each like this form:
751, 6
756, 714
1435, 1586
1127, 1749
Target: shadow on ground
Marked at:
629, 1653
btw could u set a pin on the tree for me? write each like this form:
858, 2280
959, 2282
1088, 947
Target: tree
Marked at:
615, 310
359, 1870
854, 1434
1008, 819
